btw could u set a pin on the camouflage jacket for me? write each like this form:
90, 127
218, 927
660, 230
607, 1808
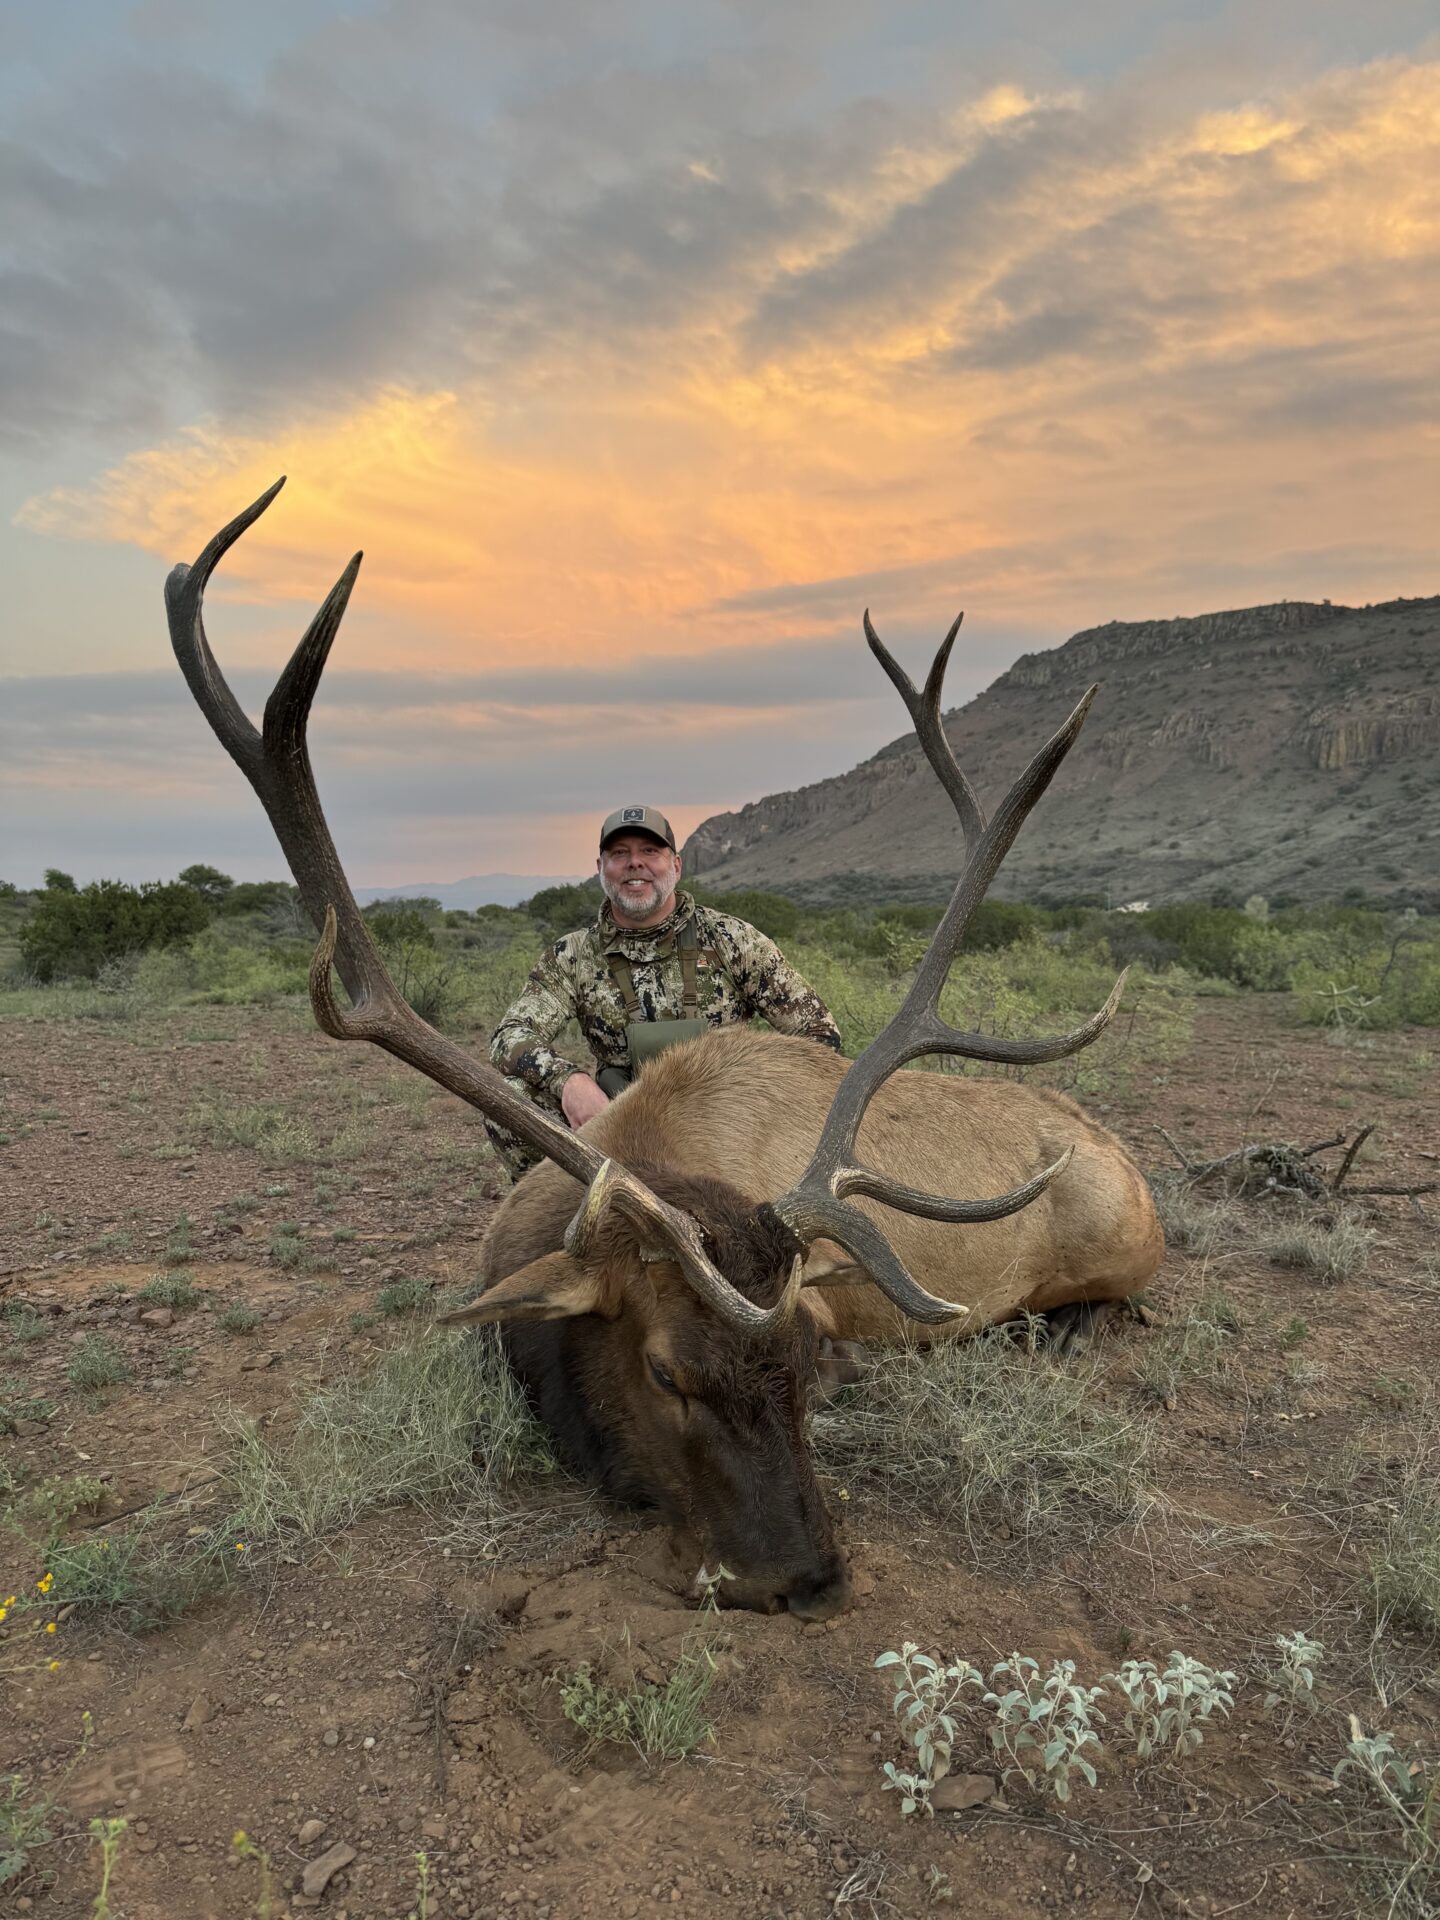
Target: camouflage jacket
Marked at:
741, 975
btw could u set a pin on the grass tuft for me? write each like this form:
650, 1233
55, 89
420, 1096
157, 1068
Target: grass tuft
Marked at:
405, 1296
1405, 1566
661, 1723
238, 1318
983, 1434
95, 1363
434, 1421
175, 1289
1328, 1253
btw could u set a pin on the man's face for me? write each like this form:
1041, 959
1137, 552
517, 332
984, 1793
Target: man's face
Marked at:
638, 876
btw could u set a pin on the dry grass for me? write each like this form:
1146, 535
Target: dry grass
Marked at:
1329, 1252
435, 1421
985, 1434
1405, 1565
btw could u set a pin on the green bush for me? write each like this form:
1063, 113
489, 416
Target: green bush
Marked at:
72, 934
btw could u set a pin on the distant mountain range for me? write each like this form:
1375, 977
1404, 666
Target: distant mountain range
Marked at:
1282, 750
480, 890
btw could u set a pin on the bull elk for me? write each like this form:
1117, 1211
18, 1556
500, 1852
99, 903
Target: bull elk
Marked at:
674, 1277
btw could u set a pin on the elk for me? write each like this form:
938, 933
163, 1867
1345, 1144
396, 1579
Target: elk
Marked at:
674, 1277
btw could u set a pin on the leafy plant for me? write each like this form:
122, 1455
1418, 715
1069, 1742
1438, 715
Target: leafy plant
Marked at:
1292, 1681
663, 1723
1043, 1727
1168, 1708
926, 1696
1409, 1799
107, 1835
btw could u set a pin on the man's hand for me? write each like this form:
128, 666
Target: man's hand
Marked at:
581, 1099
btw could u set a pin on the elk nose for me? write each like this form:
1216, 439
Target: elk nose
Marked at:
822, 1594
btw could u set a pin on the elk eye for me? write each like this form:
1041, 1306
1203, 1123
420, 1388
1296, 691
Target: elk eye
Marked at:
664, 1379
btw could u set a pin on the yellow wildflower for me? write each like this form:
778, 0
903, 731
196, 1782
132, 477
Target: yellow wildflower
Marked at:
239, 1546
240, 1837
53, 1667
3, 1612
50, 1626
45, 1582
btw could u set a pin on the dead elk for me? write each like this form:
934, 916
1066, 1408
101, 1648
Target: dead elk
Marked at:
671, 1280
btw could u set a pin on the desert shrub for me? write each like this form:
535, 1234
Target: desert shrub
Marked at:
72, 933
772, 913
564, 908
233, 966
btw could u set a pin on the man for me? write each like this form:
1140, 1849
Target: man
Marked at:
652, 969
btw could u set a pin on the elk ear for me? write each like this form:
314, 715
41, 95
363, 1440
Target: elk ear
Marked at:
554, 1287
827, 1264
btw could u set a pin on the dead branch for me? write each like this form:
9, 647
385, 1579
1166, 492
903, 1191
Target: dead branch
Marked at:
1350, 1152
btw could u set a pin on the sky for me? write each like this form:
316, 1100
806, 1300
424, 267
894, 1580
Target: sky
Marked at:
641, 345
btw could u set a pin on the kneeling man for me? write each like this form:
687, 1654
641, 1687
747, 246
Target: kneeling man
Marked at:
651, 969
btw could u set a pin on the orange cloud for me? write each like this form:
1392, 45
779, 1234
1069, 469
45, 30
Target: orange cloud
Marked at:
1154, 370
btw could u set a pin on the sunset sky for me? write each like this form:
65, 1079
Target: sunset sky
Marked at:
641, 346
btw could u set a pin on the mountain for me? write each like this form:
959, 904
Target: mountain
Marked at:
480, 890
1281, 750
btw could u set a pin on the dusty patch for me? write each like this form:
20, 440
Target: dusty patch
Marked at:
402, 1697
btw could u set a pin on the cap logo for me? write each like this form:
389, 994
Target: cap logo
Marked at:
628, 814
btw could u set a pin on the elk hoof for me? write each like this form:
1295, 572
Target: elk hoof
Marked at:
1076, 1328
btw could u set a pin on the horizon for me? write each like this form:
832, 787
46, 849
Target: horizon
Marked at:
641, 349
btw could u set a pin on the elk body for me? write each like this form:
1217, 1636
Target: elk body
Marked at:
674, 1279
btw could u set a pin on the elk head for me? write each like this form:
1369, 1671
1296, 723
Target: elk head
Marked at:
675, 1306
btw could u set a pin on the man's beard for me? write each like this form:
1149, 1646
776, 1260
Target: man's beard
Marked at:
630, 904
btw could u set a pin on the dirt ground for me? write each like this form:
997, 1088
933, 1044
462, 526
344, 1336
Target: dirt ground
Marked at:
399, 1692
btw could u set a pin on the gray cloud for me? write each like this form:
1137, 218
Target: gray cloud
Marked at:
431, 190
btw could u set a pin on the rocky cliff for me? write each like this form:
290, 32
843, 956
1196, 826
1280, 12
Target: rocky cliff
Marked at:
1284, 750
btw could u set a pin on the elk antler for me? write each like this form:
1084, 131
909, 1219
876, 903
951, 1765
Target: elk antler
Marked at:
276, 762
818, 1205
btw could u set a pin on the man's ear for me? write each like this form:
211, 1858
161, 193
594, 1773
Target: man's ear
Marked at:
554, 1287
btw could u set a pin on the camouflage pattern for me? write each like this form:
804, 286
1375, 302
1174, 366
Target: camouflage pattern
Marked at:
741, 975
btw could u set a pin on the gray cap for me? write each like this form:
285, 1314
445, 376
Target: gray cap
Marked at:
638, 820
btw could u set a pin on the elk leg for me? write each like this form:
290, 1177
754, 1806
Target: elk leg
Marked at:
1075, 1328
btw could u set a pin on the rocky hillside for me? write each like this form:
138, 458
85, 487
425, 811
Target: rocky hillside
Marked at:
1284, 750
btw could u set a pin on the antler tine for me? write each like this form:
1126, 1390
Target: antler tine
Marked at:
930, 1206
276, 762
653, 1220
815, 1205
924, 710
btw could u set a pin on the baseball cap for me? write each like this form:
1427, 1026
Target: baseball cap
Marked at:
638, 820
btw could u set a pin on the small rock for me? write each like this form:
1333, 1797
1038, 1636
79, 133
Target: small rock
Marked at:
864, 1584
318, 1875
330, 1737
368, 1742
310, 1833
957, 1791
199, 1713
257, 1363
157, 1317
